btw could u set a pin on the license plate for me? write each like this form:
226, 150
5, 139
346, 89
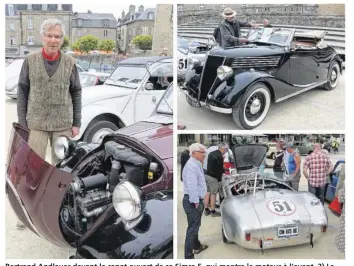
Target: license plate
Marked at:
288, 231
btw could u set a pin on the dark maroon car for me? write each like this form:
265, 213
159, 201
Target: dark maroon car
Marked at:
112, 200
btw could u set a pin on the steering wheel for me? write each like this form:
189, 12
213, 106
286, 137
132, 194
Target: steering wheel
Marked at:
243, 186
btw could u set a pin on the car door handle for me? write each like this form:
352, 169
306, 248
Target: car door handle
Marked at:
153, 99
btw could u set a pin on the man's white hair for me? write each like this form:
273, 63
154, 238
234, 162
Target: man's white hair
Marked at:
196, 147
49, 23
223, 145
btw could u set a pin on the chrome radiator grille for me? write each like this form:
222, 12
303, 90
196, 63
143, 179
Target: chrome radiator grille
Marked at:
255, 62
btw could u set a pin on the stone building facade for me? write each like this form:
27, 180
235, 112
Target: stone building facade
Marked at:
331, 15
163, 32
100, 25
133, 23
23, 23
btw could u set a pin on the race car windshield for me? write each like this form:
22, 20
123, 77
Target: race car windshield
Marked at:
166, 104
182, 45
127, 76
270, 35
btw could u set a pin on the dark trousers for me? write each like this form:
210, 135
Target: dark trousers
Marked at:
194, 217
318, 192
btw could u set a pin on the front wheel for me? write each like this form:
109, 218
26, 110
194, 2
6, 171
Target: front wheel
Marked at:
333, 76
96, 132
251, 109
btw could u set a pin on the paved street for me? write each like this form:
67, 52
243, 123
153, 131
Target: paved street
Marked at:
23, 244
317, 109
210, 234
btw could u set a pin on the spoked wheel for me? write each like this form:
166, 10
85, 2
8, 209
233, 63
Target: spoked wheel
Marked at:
250, 110
333, 76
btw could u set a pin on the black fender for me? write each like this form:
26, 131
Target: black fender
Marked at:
229, 91
151, 239
337, 58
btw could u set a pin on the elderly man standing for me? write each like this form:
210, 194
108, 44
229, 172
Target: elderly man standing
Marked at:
230, 29
49, 94
316, 167
194, 189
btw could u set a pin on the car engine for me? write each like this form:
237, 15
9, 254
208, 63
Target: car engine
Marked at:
90, 192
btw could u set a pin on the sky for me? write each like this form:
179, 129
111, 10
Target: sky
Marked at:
115, 9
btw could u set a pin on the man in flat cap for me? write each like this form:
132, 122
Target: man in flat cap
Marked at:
230, 29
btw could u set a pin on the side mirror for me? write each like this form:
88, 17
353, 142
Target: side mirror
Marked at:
149, 86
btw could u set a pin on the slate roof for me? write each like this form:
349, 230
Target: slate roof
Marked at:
138, 16
99, 16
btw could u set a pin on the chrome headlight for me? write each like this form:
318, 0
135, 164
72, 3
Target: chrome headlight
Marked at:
224, 72
61, 147
127, 201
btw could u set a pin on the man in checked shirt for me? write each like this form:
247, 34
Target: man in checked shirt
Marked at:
316, 168
194, 188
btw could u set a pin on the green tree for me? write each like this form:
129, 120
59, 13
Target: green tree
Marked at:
106, 45
143, 42
65, 43
86, 43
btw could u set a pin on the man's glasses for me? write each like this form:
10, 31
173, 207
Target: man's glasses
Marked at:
56, 37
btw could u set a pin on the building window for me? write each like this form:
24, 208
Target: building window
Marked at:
67, 7
52, 7
80, 33
134, 31
244, 5
223, 6
145, 30
130, 32
180, 7
37, 7
79, 22
11, 10
150, 15
30, 23
21, 7
201, 7
12, 40
256, 10
106, 23
30, 40
12, 25
105, 32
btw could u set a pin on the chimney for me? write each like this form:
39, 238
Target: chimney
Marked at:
132, 10
141, 9
123, 14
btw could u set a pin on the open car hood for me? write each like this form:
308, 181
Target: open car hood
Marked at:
249, 155
35, 188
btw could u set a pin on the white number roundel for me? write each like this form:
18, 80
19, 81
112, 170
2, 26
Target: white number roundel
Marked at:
281, 207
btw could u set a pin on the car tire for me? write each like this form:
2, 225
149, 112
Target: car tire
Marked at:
96, 131
251, 109
224, 239
333, 76
191, 102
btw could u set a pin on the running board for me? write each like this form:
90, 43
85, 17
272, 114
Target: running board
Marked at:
312, 86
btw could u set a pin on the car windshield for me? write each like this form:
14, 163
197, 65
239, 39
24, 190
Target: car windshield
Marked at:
277, 36
127, 76
87, 80
182, 45
166, 104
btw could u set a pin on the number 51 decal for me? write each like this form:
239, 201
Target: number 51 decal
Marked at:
182, 63
281, 207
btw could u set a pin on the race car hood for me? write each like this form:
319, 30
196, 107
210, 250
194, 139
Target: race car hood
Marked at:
249, 155
102, 92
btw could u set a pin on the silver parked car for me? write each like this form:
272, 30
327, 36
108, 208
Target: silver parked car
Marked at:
261, 211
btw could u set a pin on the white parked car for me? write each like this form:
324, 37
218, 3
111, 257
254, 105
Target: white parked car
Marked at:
272, 151
12, 74
129, 95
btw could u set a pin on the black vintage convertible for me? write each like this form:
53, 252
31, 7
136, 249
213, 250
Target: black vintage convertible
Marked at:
275, 64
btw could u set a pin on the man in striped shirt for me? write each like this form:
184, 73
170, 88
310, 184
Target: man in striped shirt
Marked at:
194, 188
316, 167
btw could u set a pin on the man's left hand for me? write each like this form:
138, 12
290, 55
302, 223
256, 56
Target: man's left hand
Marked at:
75, 131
